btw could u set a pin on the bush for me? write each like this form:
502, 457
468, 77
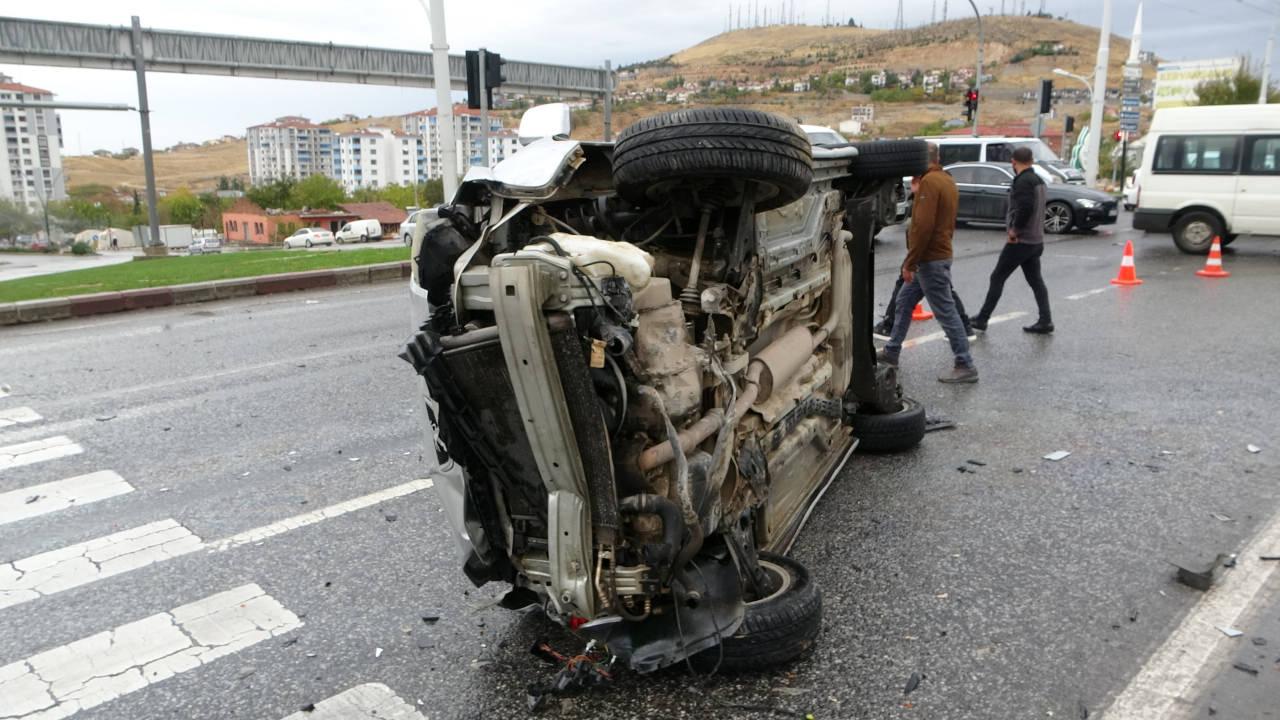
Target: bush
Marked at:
81, 248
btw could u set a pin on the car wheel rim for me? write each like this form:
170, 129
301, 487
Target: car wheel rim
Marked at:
781, 574
1197, 232
1056, 218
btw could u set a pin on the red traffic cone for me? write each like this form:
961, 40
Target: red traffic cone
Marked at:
1128, 275
1213, 265
920, 313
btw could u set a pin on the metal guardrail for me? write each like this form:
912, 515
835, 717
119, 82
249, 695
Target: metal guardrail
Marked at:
43, 42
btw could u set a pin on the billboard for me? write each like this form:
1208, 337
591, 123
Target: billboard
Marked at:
1176, 81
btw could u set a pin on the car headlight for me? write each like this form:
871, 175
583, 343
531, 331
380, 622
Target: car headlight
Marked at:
1084, 203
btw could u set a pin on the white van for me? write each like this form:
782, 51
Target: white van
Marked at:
1211, 172
963, 148
359, 231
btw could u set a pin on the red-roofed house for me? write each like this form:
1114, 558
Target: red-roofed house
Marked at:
31, 149
385, 213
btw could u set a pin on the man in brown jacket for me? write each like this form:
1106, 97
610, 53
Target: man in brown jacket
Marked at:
927, 270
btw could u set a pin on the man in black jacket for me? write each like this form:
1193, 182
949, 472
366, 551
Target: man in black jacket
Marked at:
1025, 246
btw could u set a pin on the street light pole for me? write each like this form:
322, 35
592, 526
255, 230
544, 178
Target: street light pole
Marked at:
444, 99
1094, 157
1266, 62
148, 165
978, 84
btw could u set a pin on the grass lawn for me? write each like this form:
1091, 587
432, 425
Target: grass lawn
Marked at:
179, 270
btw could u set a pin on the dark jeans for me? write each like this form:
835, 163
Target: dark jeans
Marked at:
932, 281
890, 310
1012, 257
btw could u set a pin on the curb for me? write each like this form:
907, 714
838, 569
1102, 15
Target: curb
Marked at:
76, 306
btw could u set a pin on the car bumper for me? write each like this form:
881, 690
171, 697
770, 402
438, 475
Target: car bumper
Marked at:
1102, 215
1152, 220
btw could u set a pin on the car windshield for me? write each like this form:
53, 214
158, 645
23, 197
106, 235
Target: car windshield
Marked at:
1039, 151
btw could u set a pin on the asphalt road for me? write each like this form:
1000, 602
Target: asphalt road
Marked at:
1022, 588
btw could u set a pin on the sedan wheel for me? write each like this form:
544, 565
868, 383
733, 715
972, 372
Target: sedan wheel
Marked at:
1057, 218
308, 242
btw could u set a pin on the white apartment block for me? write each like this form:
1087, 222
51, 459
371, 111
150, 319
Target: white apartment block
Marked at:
502, 145
377, 157
31, 151
290, 147
468, 134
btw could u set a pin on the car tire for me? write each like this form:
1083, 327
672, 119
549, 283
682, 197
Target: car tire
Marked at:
364, 238
1058, 218
775, 630
1194, 232
889, 159
308, 243
338, 240
408, 240
711, 148
892, 432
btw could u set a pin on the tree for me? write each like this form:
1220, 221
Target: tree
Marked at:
1239, 89
182, 207
223, 183
274, 194
15, 220
317, 191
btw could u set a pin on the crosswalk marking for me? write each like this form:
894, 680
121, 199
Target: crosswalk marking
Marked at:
371, 701
26, 453
50, 497
13, 416
83, 563
76, 565
62, 681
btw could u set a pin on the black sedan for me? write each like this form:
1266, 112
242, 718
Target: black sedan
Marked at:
984, 197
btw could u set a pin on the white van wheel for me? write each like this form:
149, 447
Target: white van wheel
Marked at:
364, 238
1195, 231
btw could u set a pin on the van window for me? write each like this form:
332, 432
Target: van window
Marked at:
966, 152
1263, 156
999, 152
1194, 154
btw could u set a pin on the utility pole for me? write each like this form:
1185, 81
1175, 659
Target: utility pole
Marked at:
1266, 61
978, 81
898, 24
944, 10
444, 99
148, 162
933, 14
1094, 159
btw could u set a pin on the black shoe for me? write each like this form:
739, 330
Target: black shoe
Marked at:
887, 358
978, 323
1040, 328
883, 329
960, 374
970, 333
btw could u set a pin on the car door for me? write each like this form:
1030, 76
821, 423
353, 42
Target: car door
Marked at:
992, 186
969, 193
1257, 207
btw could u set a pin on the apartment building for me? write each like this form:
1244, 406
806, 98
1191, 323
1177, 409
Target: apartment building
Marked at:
31, 152
378, 157
468, 135
502, 145
291, 147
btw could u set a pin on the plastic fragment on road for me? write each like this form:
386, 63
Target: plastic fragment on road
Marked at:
1220, 517
913, 682
1231, 632
1201, 579
1057, 455
1245, 667
377, 652
1253, 448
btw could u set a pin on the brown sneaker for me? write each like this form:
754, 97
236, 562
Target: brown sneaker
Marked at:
960, 375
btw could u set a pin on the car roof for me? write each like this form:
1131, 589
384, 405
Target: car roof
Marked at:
816, 128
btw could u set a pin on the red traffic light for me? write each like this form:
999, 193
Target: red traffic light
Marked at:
1117, 136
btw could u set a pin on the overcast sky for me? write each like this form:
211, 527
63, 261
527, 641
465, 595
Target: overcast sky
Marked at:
577, 32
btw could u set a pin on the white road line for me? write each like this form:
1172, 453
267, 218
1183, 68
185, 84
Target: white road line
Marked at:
61, 682
1087, 293
13, 416
76, 565
371, 701
83, 563
37, 451
940, 334
50, 497
1168, 680
1074, 257
315, 516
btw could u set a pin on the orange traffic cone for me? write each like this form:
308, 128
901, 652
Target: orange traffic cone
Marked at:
920, 313
1128, 275
1213, 265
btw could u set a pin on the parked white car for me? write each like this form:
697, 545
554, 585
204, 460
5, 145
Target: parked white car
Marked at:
416, 218
206, 245
306, 237
359, 231
1210, 172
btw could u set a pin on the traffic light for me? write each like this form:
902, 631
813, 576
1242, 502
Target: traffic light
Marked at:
1117, 136
1046, 96
492, 77
1070, 124
970, 103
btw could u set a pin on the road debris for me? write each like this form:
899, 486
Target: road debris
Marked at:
1245, 667
965, 469
932, 424
33, 498
104, 418
431, 619
1231, 632
1057, 455
577, 674
309, 707
1200, 577
377, 652
389, 518
1259, 642
913, 682
1220, 517
979, 463
1253, 448
1269, 558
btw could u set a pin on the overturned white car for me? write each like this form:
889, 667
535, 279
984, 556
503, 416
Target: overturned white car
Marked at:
644, 361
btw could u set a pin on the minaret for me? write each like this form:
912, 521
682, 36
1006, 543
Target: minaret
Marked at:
1135, 43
